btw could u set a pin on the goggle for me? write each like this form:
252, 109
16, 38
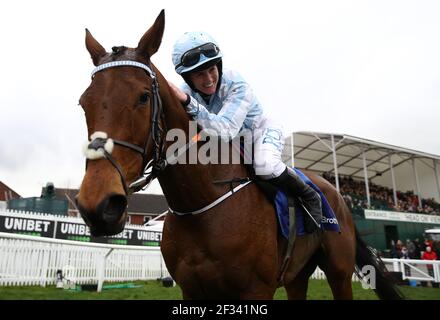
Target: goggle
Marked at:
191, 57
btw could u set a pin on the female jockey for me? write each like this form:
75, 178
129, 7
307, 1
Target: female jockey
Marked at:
223, 103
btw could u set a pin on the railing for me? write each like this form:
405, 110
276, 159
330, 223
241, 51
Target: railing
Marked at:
28, 260
421, 270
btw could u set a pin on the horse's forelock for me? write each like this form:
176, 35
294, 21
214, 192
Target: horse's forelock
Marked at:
118, 50
122, 53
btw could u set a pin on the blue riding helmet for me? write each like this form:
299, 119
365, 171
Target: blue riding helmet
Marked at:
194, 49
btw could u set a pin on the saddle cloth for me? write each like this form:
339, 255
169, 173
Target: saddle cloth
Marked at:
328, 223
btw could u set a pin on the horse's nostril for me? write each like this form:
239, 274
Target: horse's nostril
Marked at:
113, 208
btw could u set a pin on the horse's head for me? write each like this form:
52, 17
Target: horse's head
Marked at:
122, 110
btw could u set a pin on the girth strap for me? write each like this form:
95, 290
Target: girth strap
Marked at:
290, 243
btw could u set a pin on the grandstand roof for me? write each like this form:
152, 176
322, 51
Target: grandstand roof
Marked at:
313, 151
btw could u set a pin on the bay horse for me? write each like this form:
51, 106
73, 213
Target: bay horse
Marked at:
232, 250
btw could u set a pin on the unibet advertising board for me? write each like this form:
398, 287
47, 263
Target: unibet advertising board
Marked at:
73, 229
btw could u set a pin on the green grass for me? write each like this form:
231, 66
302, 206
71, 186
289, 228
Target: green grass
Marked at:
153, 290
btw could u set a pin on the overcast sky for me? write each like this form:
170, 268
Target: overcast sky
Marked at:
365, 68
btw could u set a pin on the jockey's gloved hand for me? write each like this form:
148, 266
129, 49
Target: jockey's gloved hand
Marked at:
187, 101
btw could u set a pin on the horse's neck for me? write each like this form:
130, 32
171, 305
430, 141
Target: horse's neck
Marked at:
188, 187
191, 187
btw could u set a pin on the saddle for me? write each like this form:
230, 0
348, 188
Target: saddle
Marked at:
291, 216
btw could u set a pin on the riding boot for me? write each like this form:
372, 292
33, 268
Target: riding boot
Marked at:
295, 187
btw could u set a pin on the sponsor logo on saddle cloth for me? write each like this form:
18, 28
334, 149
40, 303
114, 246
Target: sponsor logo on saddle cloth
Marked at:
328, 223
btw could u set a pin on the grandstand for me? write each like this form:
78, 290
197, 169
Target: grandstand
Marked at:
393, 192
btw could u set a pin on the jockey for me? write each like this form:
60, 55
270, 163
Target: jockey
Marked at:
222, 102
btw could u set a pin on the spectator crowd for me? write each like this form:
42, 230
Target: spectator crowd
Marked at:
428, 250
381, 198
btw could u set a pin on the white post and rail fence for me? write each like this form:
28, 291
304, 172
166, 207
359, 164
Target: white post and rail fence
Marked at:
35, 247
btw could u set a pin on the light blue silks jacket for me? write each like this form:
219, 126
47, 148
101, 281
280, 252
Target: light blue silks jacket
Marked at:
233, 108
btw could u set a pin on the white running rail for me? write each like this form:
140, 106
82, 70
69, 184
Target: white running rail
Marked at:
29, 260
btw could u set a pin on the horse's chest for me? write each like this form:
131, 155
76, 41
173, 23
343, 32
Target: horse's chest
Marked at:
200, 275
219, 258
200, 268
199, 263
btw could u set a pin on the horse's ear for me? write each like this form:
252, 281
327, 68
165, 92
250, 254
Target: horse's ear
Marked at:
95, 49
151, 40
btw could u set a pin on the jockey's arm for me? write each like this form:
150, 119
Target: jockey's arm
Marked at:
229, 121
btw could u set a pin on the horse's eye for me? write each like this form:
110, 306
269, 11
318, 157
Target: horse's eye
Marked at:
143, 99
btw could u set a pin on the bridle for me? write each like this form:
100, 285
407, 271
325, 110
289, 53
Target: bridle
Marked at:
101, 146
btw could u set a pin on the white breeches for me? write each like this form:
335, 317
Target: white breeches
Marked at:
268, 147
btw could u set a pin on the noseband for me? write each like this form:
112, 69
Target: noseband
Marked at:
101, 146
